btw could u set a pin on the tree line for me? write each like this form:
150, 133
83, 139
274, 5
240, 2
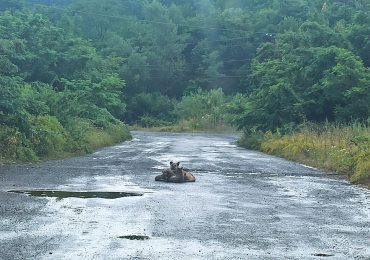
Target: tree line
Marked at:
261, 65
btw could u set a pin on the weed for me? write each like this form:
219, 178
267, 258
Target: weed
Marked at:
340, 148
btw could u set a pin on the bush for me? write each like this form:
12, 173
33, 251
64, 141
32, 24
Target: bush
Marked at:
201, 104
14, 146
48, 136
204, 110
84, 136
150, 121
105, 136
77, 129
251, 140
362, 174
150, 108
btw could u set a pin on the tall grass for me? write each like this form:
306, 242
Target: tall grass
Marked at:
338, 148
48, 139
100, 137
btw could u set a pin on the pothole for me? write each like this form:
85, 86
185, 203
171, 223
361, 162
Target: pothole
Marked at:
77, 194
134, 237
323, 255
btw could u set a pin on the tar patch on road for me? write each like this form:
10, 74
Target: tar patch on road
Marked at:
134, 237
77, 194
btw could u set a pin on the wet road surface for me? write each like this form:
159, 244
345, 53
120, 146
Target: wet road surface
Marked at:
244, 205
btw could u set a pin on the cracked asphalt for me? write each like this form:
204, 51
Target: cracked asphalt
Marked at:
244, 205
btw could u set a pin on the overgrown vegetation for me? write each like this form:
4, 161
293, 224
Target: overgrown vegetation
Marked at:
72, 71
338, 148
204, 110
195, 111
58, 96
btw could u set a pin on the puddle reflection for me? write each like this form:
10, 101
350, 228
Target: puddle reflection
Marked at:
77, 194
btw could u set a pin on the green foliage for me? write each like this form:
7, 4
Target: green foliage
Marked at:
343, 149
9, 93
14, 146
47, 135
99, 137
96, 99
147, 121
313, 83
202, 104
362, 174
251, 140
295, 60
10, 4
48, 79
204, 109
34, 98
72, 68
151, 109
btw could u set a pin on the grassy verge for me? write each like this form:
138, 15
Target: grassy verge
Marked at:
342, 149
101, 137
53, 141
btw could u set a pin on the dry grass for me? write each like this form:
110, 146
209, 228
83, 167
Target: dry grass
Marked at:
342, 149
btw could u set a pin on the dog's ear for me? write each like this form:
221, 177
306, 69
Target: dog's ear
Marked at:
178, 163
171, 162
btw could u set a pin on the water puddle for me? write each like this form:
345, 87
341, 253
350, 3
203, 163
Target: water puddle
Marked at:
323, 255
77, 194
134, 237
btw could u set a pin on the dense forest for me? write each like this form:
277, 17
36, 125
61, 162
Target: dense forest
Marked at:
71, 71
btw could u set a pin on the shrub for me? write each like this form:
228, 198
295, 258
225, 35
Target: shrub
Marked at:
251, 140
204, 110
77, 129
362, 174
152, 108
14, 146
150, 121
48, 136
105, 136
202, 104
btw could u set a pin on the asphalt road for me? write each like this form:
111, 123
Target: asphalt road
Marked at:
244, 205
